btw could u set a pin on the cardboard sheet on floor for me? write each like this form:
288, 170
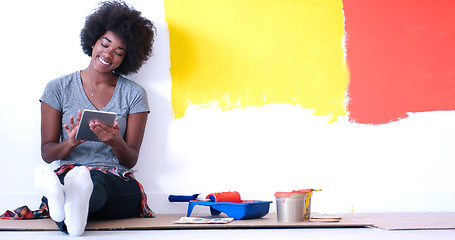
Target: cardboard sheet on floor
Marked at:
406, 221
388, 221
166, 221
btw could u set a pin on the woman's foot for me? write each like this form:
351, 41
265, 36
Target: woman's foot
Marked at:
78, 188
47, 182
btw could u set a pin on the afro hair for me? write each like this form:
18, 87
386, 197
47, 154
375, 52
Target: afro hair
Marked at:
135, 31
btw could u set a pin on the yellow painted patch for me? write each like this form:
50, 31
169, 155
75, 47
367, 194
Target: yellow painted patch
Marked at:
234, 54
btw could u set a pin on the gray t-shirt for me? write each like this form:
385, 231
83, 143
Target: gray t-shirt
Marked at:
67, 95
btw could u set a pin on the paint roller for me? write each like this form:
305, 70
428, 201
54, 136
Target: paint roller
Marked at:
224, 197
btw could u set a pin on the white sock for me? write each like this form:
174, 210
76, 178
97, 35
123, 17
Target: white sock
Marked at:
47, 182
78, 188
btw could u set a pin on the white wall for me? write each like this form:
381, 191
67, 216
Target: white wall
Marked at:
401, 166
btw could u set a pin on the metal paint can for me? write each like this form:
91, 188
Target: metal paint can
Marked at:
293, 206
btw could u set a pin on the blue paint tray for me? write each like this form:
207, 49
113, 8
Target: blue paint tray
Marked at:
245, 209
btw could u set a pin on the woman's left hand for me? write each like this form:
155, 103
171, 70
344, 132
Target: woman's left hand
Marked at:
106, 133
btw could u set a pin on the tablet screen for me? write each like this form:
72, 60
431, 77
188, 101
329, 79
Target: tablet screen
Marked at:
84, 132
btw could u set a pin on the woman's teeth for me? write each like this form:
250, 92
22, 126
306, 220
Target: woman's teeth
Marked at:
104, 62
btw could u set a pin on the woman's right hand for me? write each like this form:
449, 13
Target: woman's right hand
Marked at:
71, 129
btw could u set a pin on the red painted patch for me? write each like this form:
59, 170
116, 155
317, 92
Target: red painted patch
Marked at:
401, 58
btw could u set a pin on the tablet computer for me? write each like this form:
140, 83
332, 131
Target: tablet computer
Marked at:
84, 132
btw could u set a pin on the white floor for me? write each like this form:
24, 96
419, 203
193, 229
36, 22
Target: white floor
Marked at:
281, 234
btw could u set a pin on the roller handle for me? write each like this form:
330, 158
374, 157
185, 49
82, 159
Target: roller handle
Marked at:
182, 198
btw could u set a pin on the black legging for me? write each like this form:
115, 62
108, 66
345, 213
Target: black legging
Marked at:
112, 197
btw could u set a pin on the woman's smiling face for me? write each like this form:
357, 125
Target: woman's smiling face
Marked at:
108, 53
